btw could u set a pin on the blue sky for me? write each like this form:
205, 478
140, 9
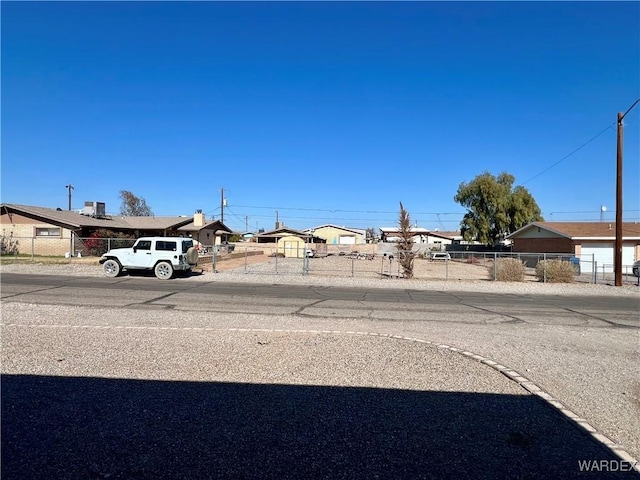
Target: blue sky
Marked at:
328, 112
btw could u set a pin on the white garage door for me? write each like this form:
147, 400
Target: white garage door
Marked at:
347, 240
602, 253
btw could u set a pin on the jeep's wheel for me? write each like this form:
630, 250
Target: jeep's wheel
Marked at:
164, 270
192, 256
112, 268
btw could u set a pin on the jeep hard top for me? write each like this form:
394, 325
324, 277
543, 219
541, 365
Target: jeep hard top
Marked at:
162, 255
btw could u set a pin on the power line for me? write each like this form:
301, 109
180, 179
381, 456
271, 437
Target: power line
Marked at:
610, 127
395, 212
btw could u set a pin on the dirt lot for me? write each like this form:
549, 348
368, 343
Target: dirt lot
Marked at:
351, 267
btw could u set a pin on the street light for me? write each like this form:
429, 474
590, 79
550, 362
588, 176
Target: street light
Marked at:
617, 260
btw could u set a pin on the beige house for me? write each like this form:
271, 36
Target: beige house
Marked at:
48, 231
288, 242
336, 235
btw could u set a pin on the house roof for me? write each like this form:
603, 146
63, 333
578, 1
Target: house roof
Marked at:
584, 230
448, 235
74, 220
277, 231
414, 230
347, 229
216, 225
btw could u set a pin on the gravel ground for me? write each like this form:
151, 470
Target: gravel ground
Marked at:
198, 403
226, 360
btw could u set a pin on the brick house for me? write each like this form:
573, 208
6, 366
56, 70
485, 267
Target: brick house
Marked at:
590, 241
49, 231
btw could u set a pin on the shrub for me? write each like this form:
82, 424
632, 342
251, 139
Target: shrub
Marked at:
97, 243
472, 260
555, 271
508, 270
8, 246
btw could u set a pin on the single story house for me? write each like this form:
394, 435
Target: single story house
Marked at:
207, 233
590, 241
49, 231
289, 242
336, 235
423, 235
392, 234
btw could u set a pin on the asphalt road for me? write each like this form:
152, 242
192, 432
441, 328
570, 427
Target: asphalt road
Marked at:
62, 406
325, 302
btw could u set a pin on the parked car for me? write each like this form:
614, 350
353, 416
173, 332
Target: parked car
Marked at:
308, 253
439, 256
162, 255
636, 269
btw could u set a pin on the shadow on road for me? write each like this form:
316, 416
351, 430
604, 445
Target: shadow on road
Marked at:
94, 428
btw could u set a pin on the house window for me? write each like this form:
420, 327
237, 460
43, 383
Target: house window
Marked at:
47, 232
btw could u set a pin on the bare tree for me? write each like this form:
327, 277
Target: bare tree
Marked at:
404, 246
371, 235
133, 206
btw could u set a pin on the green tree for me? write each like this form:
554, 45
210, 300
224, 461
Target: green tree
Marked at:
495, 208
404, 246
133, 206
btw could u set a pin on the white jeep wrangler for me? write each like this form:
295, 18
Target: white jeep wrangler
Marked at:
163, 255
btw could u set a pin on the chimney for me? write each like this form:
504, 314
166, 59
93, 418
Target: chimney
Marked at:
198, 219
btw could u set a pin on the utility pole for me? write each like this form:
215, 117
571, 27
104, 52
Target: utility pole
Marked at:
617, 260
222, 205
246, 223
69, 187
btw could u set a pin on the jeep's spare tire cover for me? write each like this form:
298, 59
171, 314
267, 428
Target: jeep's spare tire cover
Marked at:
192, 256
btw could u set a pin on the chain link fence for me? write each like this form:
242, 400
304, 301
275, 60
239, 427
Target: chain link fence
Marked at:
364, 261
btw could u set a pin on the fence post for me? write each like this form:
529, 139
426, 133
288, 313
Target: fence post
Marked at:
495, 266
276, 258
544, 269
33, 248
446, 269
